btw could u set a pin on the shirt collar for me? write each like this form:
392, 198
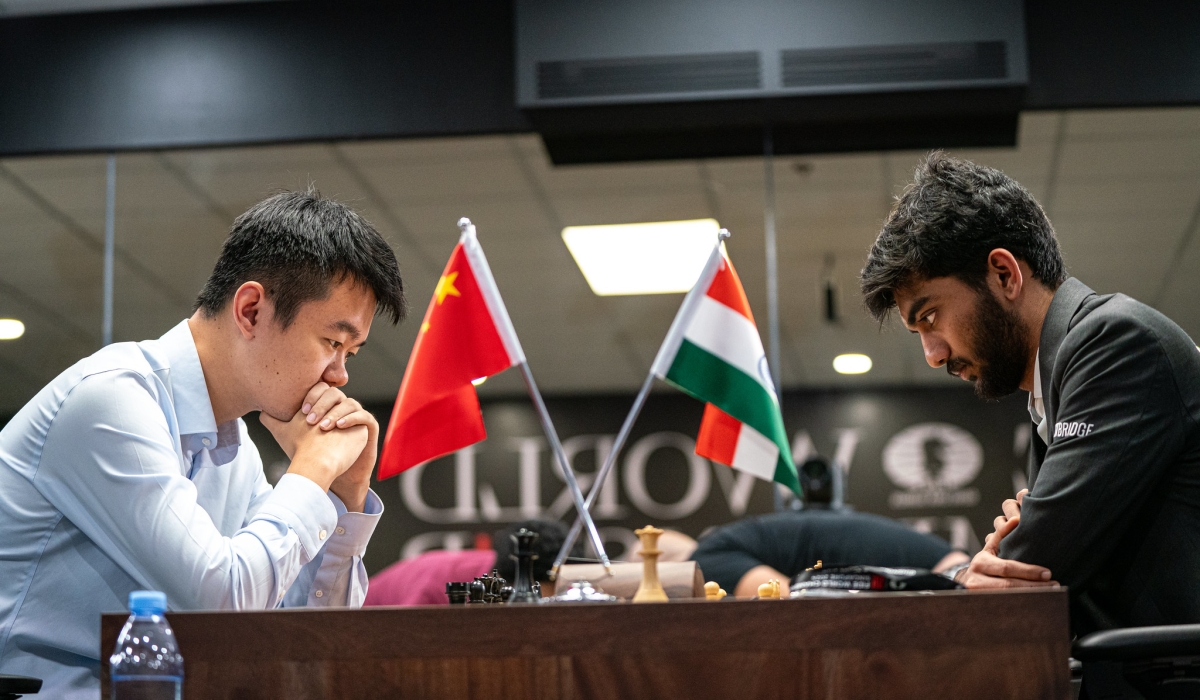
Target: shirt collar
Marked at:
189, 393
1037, 380
1037, 407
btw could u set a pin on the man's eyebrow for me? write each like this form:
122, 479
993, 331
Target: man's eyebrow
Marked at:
917, 306
346, 327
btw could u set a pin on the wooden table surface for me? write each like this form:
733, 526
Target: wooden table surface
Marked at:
952, 644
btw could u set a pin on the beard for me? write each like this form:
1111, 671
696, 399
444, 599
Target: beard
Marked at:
999, 344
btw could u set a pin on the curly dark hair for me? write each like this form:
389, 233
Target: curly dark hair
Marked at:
946, 223
297, 245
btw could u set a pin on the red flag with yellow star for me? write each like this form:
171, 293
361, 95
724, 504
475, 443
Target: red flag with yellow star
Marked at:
466, 335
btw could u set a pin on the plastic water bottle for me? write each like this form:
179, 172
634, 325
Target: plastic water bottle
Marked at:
146, 664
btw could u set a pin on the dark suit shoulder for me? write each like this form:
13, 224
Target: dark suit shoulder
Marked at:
1120, 326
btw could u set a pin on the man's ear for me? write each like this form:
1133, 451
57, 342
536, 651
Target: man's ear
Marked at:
1004, 269
250, 308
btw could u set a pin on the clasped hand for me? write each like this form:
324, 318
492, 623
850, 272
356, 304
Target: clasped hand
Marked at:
331, 440
989, 570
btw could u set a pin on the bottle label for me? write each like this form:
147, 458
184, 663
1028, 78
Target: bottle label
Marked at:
147, 687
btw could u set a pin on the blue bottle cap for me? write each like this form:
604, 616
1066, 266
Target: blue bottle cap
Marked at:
147, 602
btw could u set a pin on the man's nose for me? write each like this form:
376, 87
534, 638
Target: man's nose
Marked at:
336, 374
936, 351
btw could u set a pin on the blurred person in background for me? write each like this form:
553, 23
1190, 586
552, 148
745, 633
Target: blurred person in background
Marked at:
752, 551
422, 580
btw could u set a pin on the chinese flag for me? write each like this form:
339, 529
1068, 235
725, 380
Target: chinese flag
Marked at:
466, 335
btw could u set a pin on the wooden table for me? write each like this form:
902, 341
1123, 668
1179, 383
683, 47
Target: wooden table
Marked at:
953, 644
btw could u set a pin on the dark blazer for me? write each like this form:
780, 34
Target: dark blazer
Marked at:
1114, 503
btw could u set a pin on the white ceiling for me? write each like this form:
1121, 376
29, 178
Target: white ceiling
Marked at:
1121, 187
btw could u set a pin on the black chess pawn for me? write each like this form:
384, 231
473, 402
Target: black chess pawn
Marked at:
506, 594
478, 593
487, 587
523, 591
457, 592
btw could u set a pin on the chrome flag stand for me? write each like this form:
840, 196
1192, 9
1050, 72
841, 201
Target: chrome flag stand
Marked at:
623, 434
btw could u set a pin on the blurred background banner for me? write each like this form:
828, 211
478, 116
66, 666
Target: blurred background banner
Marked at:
937, 458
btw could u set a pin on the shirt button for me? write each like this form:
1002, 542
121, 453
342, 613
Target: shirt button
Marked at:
319, 594
322, 534
207, 442
340, 530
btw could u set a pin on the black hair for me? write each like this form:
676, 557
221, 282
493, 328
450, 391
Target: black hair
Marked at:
551, 535
947, 222
298, 245
816, 482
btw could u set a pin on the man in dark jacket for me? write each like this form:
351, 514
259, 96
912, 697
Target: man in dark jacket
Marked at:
969, 260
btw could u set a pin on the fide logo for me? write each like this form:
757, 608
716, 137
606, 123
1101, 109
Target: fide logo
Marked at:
933, 463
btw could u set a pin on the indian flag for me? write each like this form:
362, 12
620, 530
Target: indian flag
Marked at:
713, 352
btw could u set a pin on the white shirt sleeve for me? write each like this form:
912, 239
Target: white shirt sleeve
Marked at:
110, 465
336, 577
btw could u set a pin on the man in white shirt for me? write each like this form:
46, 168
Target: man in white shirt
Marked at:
133, 468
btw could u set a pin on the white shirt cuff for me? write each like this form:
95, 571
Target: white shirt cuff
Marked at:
354, 530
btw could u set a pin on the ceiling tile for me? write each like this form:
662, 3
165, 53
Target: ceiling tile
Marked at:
1109, 123
1126, 158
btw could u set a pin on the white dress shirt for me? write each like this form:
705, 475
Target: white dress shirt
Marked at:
1037, 407
116, 477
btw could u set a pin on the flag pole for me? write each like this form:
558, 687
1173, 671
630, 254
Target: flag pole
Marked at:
611, 459
602, 474
508, 335
568, 472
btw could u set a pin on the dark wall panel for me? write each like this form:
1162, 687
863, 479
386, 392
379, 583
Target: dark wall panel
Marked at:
278, 71
313, 71
1112, 54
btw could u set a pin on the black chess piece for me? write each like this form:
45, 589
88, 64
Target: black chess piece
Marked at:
487, 587
506, 594
537, 589
478, 593
523, 591
457, 592
498, 583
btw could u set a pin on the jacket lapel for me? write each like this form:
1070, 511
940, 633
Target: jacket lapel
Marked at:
1067, 300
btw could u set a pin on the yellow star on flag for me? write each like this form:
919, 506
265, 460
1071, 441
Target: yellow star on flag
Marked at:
445, 287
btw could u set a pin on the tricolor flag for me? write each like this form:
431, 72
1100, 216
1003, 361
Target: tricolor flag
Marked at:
713, 352
466, 335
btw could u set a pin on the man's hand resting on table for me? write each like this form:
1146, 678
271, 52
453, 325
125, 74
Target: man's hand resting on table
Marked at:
988, 570
332, 440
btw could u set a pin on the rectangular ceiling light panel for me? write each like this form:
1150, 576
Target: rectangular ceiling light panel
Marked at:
663, 257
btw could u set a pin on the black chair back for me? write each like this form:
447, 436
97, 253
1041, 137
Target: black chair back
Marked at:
1141, 663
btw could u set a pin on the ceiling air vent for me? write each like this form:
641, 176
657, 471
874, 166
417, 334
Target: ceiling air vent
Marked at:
619, 80
694, 73
911, 63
